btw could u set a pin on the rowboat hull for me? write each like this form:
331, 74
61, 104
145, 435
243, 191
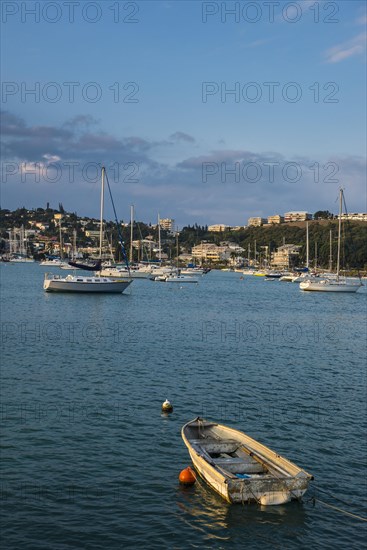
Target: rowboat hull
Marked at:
241, 469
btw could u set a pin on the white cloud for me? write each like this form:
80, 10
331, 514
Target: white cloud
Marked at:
350, 48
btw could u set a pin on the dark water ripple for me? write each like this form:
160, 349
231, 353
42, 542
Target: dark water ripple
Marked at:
89, 461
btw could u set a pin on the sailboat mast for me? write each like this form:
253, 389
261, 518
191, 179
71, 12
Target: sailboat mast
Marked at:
177, 248
131, 231
159, 240
255, 254
315, 255
60, 238
74, 245
101, 217
339, 233
331, 251
307, 247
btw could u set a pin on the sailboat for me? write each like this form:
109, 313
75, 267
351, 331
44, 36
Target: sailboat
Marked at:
337, 283
177, 277
91, 284
133, 271
18, 247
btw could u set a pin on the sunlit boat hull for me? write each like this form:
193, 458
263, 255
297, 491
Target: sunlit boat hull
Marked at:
328, 285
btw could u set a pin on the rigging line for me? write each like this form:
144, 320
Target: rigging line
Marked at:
124, 254
341, 510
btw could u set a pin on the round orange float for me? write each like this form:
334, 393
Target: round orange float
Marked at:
187, 476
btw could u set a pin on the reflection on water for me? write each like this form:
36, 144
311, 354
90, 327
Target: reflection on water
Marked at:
205, 511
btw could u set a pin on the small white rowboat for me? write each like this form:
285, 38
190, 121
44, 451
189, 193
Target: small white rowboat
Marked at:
241, 469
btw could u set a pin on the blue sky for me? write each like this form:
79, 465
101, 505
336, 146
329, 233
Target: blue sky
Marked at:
174, 138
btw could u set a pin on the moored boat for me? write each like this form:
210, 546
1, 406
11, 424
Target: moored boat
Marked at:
90, 284
75, 283
240, 468
330, 285
181, 279
333, 282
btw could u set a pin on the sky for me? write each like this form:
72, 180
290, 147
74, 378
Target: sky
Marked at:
205, 112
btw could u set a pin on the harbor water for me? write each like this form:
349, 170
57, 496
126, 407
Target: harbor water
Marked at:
88, 459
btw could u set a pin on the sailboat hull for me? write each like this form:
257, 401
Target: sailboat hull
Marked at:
329, 286
85, 285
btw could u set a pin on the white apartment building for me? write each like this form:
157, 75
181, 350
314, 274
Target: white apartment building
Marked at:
297, 216
256, 222
275, 219
218, 228
285, 255
167, 224
355, 216
210, 252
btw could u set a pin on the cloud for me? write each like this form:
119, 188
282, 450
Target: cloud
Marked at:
12, 125
81, 121
238, 184
73, 140
181, 136
350, 48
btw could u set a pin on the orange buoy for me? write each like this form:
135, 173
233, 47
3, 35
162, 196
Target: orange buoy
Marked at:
187, 476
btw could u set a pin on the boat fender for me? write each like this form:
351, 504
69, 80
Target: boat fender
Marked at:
187, 476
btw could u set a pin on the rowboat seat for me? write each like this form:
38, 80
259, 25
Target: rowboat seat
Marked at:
216, 446
237, 465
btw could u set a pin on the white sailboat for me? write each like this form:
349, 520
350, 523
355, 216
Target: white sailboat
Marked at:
90, 284
18, 245
139, 271
333, 283
178, 277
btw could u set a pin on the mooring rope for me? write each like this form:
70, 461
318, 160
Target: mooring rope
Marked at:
339, 509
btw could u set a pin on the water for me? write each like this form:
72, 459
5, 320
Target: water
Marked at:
89, 461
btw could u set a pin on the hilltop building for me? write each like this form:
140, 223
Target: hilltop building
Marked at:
256, 222
275, 219
357, 217
218, 228
297, 216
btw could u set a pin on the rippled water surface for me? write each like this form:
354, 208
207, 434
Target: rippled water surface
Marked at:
89, 461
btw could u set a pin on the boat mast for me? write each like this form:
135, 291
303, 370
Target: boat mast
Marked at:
315, 255
177, 249
131, 231
331, 252
339, 233
101, 217
159, 240
74, 245
255, 254
307, 247
60, 236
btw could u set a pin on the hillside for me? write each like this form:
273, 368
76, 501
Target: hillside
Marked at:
354, 254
